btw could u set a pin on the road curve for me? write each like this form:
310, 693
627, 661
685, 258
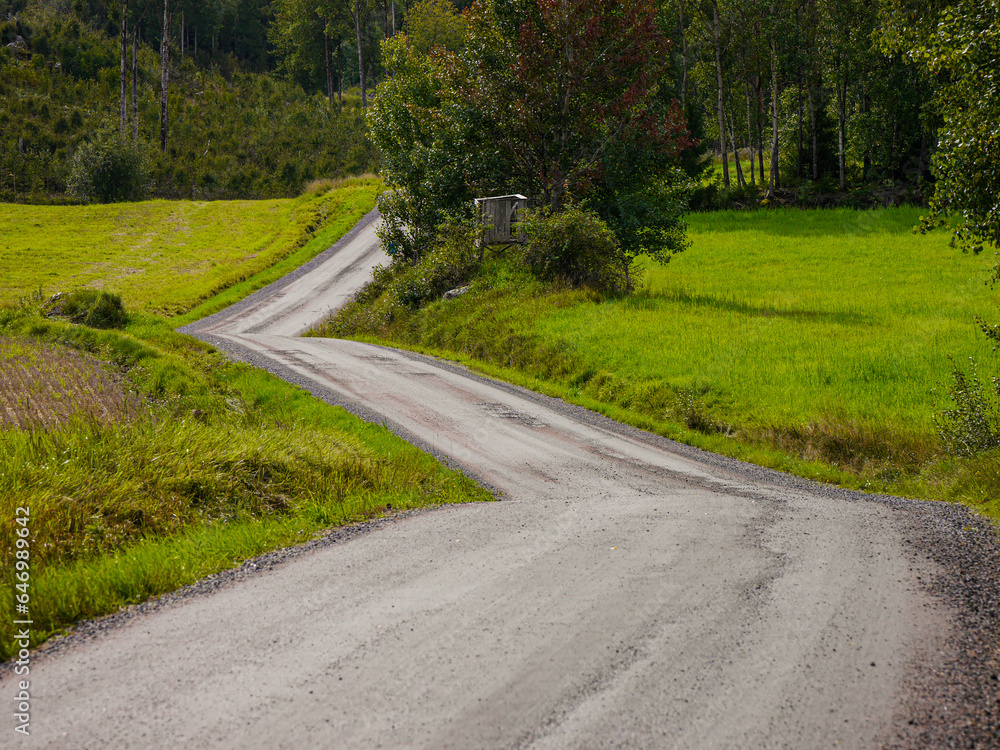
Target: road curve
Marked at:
627, 591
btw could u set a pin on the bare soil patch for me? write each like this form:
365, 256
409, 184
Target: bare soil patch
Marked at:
45, 385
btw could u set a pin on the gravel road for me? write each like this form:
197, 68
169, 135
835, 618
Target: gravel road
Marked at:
626, 591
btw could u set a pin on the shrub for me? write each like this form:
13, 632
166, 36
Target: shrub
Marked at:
452, 259
575, 246
109, 169
89, 307
972, 424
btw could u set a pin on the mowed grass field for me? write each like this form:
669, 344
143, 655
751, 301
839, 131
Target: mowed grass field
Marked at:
785, 317
166, 256
139, 460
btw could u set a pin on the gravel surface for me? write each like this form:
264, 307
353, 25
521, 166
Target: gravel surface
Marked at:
628, 592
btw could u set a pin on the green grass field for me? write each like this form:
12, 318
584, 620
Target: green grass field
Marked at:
167, 256
807, 340
147, 460
790, 316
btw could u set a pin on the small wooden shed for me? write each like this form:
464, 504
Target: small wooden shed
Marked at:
500, 216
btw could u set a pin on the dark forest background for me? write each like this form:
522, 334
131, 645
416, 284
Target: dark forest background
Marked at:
265, 95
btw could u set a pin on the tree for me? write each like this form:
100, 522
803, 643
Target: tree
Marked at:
716, 38
123, 11
844, 29
435, 23
959, 43
130, 16
559, 99
109, 169
302, 32
429, 154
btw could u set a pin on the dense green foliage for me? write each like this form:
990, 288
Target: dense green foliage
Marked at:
573, 246
88, 307
959, 44
111, 168
232, 133
813, 342
435, 23
843, 109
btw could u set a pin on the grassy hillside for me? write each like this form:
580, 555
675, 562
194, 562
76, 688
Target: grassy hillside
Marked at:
811, 341
167, 256
146, 459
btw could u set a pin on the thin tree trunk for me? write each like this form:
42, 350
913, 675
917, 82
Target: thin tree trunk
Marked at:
759, 87
340, 73
361, 57
815, 139
750, 133
722, 116
182, 34
329, 69
164, 73
394, 17
867, 159
736, 149
893, 164
123, 99
684, 55
812, 80
841, 129
135, 83
773, 182
798, 159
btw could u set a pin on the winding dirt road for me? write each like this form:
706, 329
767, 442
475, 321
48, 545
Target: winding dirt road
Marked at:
626, 592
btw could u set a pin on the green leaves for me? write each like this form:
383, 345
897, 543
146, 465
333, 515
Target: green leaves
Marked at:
959, 43
435, 23
109, 169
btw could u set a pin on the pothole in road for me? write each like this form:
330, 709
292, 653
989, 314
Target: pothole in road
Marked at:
502, 411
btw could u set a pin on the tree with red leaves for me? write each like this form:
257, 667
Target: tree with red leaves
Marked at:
570, 85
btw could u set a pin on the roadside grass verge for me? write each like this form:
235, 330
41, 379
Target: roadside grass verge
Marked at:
167, 257
218, 462
807, 341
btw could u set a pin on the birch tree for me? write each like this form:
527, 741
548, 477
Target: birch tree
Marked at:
164, 74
